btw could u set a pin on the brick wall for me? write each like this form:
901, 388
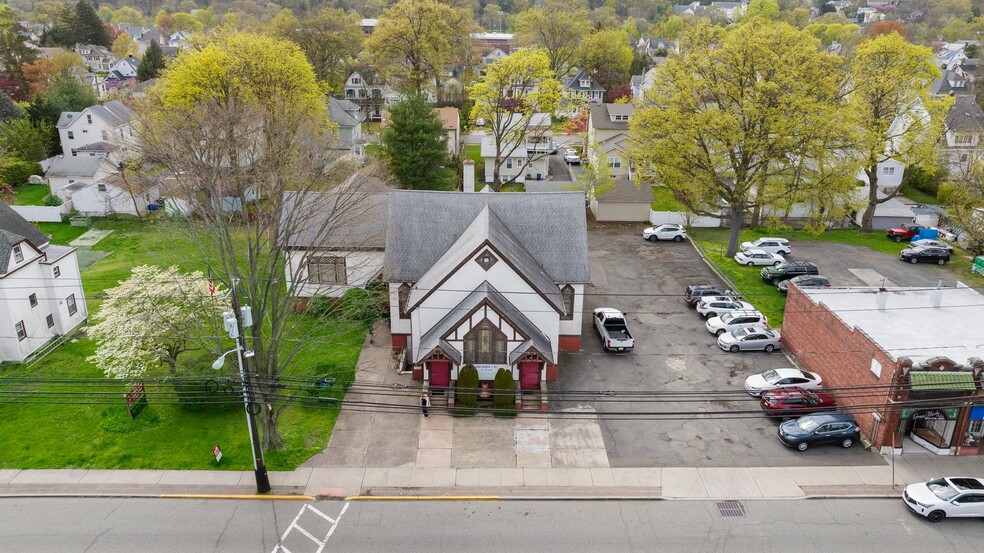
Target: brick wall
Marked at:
842, 356
569, 343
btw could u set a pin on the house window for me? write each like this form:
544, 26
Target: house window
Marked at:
509, 164
18, 254
614, 161
105, 135
50, 320
356, 80
963, 158
72, 308
403, 297
585, 83
485, 344
33, 298
88, 118
567, 294
327, 270
101, 187
71, 135
21, 331
888, 171
963, 139
56, 271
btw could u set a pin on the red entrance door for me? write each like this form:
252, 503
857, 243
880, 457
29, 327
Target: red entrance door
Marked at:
529, 375
440, 374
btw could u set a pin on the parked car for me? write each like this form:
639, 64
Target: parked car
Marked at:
925, 255
734, 320
615, 335
820, 428
903, 232
751, 338
694, 292
479, 122
666, 231
757, 257
757, 384
946, 497
570, 156
712, 306
804, 281
788, 270
926, 242
795, 401
771, 245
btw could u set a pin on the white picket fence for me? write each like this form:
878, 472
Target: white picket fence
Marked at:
43, 213
683, 218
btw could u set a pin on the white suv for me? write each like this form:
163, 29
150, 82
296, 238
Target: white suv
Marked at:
771, 245
734, 320
667, 231
712, 306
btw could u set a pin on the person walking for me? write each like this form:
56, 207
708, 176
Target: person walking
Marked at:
424, 403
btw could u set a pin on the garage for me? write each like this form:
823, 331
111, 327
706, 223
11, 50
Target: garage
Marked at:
625, 201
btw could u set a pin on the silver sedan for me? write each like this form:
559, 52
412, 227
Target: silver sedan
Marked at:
750, 338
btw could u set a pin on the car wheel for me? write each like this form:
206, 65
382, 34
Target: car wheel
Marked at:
777, 263
652, 238
941, 261
734, 349
719, 332
913, 260
802, 446
709, 315
678, 239
769, 348
898, 238
847, 443
936, 516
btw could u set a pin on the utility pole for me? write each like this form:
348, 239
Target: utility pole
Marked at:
235, 323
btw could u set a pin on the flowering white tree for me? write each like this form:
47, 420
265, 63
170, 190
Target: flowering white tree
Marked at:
151, 318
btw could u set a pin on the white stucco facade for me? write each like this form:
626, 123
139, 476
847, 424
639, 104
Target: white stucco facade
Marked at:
361, 267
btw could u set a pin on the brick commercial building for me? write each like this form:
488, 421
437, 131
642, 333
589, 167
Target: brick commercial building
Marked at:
908, 361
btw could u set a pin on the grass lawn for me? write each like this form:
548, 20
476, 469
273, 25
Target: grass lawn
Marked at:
919, 196
61, 233
663, 200
473, 152
374, 150
513, 187
30, 194
54, 434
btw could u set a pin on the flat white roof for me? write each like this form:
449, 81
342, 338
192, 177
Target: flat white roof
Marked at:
908, 324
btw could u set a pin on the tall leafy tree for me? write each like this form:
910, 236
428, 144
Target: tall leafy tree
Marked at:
556, 28
152, 62
416, 39
892, 111
14, 53
510, 110
124, 46
608, 56
416, 146
330, 39
8, 109
743, 119
27, 139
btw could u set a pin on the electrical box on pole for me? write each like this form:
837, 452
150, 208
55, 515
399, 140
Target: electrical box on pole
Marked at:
229, 322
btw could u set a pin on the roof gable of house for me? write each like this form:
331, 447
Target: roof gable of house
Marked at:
577, 82
73, 166
965, 116
15, 229
340, 113
611, 116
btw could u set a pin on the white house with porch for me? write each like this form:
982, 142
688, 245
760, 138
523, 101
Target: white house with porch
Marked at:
500, 286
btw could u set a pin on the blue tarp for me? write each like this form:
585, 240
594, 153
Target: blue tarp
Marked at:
977, 413
927, 233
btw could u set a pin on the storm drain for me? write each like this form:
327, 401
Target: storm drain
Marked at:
730, 509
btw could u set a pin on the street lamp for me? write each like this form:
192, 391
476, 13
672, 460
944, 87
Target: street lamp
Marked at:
232, 323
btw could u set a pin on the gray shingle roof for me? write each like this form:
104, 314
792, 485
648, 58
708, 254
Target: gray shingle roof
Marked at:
98, 147
114, 113
350, 217
965, 116
339, 112
627, 191
601, 116
14, 229
550, 226
72, 166
574, 83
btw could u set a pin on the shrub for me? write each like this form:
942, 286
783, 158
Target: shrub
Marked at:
51, 200
466, 390
323, 307
926, 182
16, 171
504, 395
359, 306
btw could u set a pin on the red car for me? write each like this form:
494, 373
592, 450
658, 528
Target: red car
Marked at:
904, 232
793, 402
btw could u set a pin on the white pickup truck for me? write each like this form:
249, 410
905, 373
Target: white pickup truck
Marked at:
610, 324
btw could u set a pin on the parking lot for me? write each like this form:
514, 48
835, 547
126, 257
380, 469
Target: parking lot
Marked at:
675, 353
851, 265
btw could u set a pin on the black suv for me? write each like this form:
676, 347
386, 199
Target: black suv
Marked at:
788, 270
694, 292
804, 281
925, 255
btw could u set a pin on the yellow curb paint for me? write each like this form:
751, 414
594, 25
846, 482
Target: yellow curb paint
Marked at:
220, 496
423, 498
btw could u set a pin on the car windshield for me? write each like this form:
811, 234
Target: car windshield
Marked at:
727, 317
807, 424
741, 332
942, 489
771, 377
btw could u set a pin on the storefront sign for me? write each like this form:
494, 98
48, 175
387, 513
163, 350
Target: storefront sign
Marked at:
487, 372
136, 400
930, 414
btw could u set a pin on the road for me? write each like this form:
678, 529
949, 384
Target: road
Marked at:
150, 525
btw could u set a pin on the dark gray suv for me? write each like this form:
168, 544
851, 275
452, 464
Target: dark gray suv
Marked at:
788, 270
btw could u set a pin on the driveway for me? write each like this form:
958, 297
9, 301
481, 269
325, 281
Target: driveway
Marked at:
851, 265
674, 354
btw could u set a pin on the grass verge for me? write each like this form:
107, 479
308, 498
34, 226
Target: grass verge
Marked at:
30, 194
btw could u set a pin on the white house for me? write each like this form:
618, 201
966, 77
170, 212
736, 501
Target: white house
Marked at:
111, 194
347, 115
370, 92
501, 286
579, 91
98, 58
493, 56
63, 172
111, 122
40, 286
336, 243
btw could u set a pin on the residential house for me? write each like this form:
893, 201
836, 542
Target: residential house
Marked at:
500, 287
348, 117
337, 243
370, 92
95, 82
113, 194
178, 40
930, 380
656, 47
41, 286
961, 147
98, 58
731, 10
492, 56
110, 122
608, 138
124, 72
579, 91
452, 128
63, 172
368, 25
888, 214
693, 8
641, 83
955, 82
524, 158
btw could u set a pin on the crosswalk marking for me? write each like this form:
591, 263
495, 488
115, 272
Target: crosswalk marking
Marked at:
280, 548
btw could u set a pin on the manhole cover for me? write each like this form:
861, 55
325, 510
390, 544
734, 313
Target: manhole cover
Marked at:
730, 509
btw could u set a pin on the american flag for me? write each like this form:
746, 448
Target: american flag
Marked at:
211, 287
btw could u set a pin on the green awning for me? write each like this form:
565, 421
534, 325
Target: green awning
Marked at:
951, 380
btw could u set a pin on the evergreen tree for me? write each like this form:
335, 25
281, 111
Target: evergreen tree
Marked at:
416, 147
90, 26
8, 109
14, 53
42, 113
152, 62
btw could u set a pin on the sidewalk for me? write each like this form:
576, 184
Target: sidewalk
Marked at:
506, 483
